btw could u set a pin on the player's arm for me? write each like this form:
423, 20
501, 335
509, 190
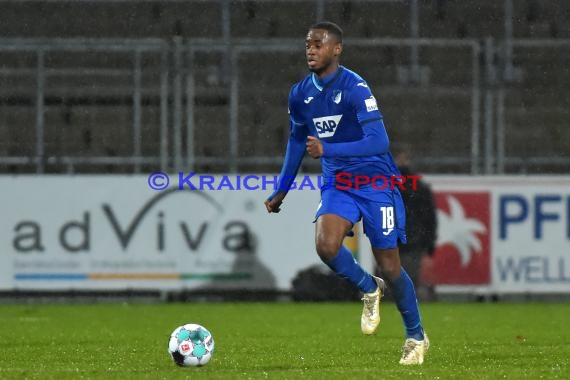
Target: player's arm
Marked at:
375, 139
293, 158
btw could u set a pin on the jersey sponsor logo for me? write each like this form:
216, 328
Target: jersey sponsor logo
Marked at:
326, 125
337, 96
371, 104
308, 100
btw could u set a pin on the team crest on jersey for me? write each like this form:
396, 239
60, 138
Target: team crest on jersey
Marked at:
326, 126
337, 96
371, 104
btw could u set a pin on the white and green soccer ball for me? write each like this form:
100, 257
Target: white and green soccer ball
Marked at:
191, 345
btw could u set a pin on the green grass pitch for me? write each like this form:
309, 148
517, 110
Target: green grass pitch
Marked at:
283, 341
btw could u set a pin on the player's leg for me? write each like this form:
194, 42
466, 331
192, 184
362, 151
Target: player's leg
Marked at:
402, 288
330, 232
335, 217
410, 261
417, 343
384, 224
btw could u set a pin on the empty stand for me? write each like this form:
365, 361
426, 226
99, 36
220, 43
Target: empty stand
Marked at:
89, 105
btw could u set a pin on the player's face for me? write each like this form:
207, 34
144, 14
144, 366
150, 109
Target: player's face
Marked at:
322, 50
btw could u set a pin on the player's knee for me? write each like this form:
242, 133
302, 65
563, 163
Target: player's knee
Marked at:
327, 248
391, 271
390, 266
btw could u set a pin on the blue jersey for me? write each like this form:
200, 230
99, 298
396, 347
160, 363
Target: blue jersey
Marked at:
341, 109
343, 114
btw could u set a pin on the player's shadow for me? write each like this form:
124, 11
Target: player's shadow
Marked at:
248, 278
318, 283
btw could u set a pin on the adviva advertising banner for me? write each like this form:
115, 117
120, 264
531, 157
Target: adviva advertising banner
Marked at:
504, 234
114, 232
500, 234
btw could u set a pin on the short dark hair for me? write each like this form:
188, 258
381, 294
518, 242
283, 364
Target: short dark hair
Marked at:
330, 27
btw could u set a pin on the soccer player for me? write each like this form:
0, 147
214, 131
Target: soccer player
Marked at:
335, 117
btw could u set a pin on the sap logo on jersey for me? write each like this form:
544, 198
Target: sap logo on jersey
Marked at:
326, 125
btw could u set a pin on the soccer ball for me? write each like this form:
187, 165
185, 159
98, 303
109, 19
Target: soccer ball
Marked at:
191, 345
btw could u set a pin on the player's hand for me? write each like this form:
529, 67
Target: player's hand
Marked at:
274, 205
314, 147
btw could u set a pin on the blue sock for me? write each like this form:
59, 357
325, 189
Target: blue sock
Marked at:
405, 298
346, 266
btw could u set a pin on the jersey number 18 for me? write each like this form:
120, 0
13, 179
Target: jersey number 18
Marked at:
387, 217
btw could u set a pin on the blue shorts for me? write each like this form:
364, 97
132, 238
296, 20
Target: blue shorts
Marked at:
383, 216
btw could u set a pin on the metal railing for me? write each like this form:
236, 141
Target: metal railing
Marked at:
134, 47
175, 89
